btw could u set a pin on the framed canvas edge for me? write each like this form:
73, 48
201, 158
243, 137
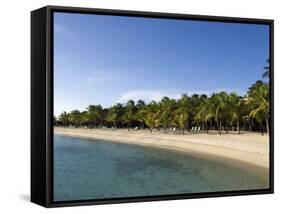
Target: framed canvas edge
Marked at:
49, 100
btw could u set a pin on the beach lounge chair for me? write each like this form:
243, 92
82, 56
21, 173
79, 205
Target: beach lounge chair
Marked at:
195, 128
174, 129
136, 128
192, 129
199, 129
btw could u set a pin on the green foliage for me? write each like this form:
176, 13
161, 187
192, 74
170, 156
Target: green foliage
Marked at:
219, 111
128, 114
266, 69
259, 102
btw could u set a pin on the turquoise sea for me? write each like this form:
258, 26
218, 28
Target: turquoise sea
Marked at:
94, 169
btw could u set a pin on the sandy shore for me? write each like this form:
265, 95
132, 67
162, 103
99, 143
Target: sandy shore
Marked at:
251, 148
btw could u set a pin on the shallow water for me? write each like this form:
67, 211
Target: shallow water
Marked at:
94, 169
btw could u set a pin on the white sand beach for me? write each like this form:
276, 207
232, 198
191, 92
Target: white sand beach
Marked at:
251, 148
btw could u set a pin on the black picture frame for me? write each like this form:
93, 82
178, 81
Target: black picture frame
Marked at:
42, 104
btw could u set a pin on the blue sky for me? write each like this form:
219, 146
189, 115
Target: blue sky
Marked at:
108, 59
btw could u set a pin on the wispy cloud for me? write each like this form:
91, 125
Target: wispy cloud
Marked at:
62, 57
148, 95
99, 76
60, 29
157, 95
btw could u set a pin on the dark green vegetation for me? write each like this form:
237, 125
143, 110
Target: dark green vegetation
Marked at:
220, 111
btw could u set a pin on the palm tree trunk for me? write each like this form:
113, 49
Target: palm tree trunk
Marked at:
238, 127
267, 125
220, 126
250, 125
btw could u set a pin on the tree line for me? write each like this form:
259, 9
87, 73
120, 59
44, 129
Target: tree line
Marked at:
220, 111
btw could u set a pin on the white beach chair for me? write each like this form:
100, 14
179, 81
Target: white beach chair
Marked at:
195, 128
199, 129
174, 129
192, 129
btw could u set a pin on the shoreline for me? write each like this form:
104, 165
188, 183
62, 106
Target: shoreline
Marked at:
232, 149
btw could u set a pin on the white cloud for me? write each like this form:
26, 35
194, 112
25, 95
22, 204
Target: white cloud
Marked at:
99, 76
93, 80
60, 29
157, 95
148, 95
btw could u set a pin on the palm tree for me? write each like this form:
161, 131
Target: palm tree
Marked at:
94, 114
248, 112
206, 112
259, 99
112, 116
194, 107
85, 119
150, 121
140, 114
75, 118
180, 119
235, 109
151, 114
220, 102
166, 107
129, 113
64, 118
182, 113
266, 69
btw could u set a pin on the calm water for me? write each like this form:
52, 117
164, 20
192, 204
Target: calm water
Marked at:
87, 170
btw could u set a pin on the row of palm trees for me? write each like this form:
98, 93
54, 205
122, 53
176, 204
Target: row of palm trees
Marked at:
220, 111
